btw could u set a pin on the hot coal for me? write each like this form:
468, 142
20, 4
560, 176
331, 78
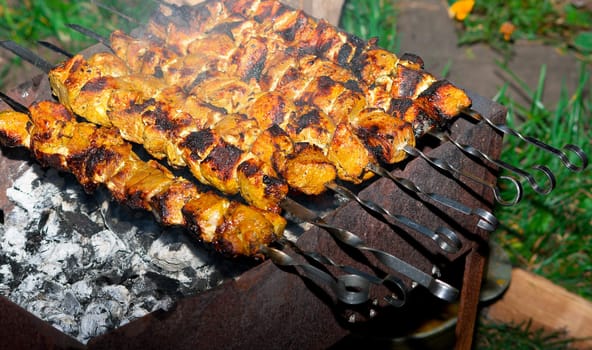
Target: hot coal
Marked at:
87, 265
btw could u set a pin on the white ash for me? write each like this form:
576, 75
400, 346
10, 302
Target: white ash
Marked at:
88, 265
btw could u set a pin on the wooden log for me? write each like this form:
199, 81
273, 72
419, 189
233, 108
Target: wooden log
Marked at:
549, 306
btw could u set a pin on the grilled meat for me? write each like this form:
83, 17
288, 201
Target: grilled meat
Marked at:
301, 82
384, 137
169, 124
99, 156
268, 28
236, 65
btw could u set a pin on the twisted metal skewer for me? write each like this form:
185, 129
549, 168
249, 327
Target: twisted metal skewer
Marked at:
487, 221
445, 238
446, 166
544, 188
350, 289
397, 299
435, 286
579, 152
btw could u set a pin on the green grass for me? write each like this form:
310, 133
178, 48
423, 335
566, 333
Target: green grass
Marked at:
496, 336
559, 23
26, 22
371, 19
552, 235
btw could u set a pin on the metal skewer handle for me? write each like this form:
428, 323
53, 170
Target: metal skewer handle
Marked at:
446, 166
545, 188
435, 286
445, 238
395, 285
538, 143
350, 289
487, 221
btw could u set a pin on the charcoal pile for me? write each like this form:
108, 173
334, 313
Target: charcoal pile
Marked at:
88, 265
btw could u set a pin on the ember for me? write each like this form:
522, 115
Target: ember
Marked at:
87, 265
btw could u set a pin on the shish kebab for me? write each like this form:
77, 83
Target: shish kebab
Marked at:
380, 69
99, 156
445, 238
309, 80
211, 38
306, 81
213, 33
268, 108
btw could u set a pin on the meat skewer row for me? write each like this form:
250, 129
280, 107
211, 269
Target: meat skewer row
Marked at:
126, 109
99, 156
334, 98
375, 66
445, 238
304, 81
70, 84
226, 91
405, 108
267, 61
136, 106
487, 220
388, 82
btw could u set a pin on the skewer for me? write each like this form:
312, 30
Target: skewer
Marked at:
91, 34
486, 222
579, 152
397, 299
434, 285
546, 188
115, 11
55, 48
445, 238
350, 289
446, 166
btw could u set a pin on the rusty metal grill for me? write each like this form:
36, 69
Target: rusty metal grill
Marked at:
272, 307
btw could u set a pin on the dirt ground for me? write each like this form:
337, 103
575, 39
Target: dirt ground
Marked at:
425, 29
